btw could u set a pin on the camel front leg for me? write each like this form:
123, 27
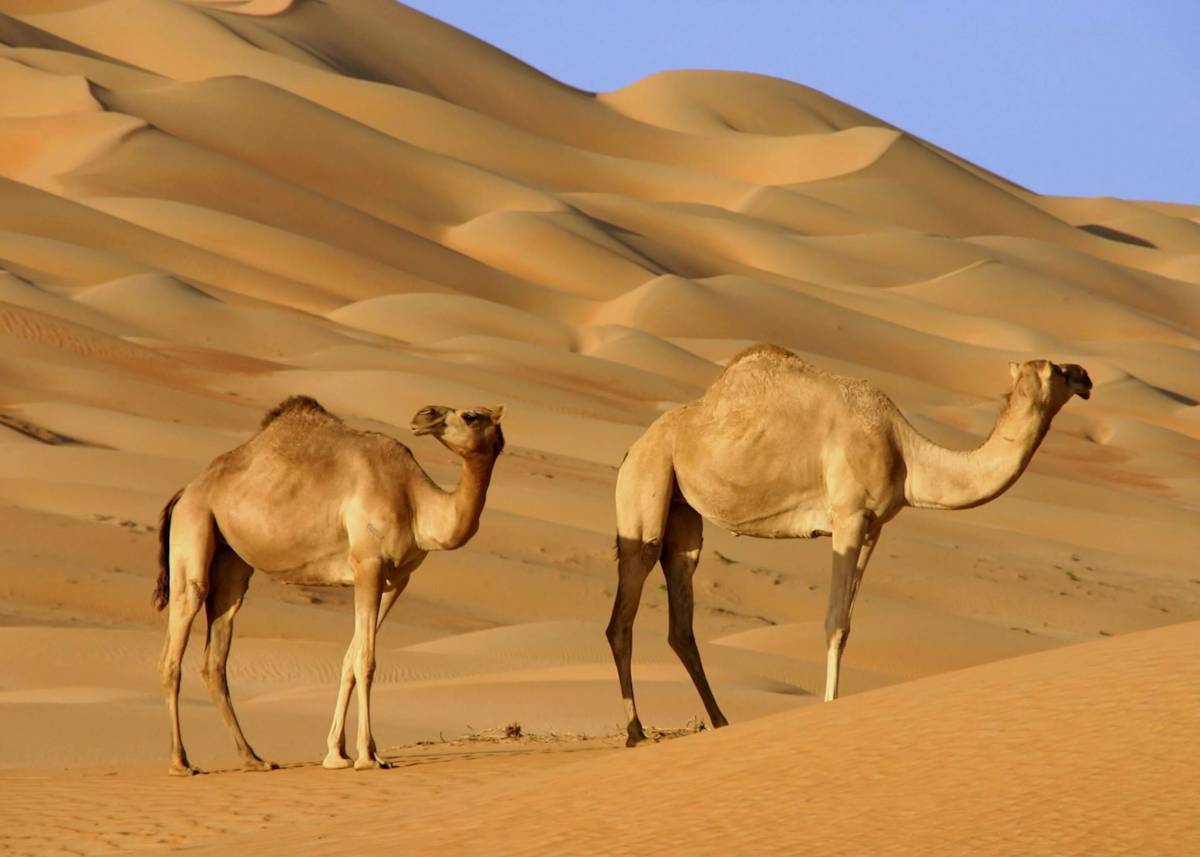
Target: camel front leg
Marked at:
854, 539
335, 757
368, 586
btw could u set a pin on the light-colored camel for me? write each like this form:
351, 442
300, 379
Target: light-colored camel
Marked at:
309, 500
778, 449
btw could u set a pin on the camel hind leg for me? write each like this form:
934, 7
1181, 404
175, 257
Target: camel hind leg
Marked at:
191, 545
680, 556
644, 485
229, 579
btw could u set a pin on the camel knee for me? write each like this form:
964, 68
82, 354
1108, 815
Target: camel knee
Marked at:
681, 640
169, 673
642, 553
188, 601
364, 668
218, 685
620, 641
680, 567
618, 637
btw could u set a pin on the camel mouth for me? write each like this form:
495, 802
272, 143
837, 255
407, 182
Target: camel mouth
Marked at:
428, 420
1079, 380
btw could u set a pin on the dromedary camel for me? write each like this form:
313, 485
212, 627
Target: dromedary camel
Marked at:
310, 500
778, 449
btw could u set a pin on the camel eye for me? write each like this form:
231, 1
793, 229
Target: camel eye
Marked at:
470, 419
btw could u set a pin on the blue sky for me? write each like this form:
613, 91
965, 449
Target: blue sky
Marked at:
1096, 98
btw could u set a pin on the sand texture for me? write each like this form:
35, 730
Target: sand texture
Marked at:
208, 206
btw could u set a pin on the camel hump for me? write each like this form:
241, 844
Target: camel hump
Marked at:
763, 352
305, 405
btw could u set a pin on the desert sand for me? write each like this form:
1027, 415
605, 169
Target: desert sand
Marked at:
207, 206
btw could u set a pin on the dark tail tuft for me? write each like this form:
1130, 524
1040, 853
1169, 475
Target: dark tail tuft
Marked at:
162, 589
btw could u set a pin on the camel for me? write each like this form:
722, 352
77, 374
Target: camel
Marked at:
310, 500
779, 449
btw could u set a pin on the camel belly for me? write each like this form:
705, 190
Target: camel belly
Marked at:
326, 571
764, 516
768, 507
792, 524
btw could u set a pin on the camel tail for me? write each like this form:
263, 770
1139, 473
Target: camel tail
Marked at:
162, 588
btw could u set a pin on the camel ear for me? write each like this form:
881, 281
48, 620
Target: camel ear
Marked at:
497, 413
1014, 369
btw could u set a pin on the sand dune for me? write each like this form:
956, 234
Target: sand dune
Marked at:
1045, 738
208, 206
1019, 756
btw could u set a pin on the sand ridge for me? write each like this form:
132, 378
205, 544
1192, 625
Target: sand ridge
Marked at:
208, 206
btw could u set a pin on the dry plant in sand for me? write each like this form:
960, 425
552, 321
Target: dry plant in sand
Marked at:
312, 501
779, 449
516, 734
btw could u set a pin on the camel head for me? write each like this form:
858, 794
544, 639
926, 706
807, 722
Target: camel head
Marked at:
473, 431
1049, 384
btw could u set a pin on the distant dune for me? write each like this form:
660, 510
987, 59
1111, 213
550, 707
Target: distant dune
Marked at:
208, 206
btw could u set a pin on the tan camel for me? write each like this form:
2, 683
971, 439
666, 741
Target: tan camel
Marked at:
779, 449
310, 500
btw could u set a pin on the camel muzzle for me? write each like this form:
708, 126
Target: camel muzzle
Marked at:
1081, 382
428, 420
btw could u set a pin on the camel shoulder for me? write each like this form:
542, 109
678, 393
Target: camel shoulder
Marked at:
870, 407
381, 447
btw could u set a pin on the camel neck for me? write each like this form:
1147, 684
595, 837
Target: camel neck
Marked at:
940, 478
448, 519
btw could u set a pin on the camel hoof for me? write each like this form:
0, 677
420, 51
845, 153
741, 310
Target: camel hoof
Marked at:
375, 764
183, 771
635, 733
257, 764
334, 762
